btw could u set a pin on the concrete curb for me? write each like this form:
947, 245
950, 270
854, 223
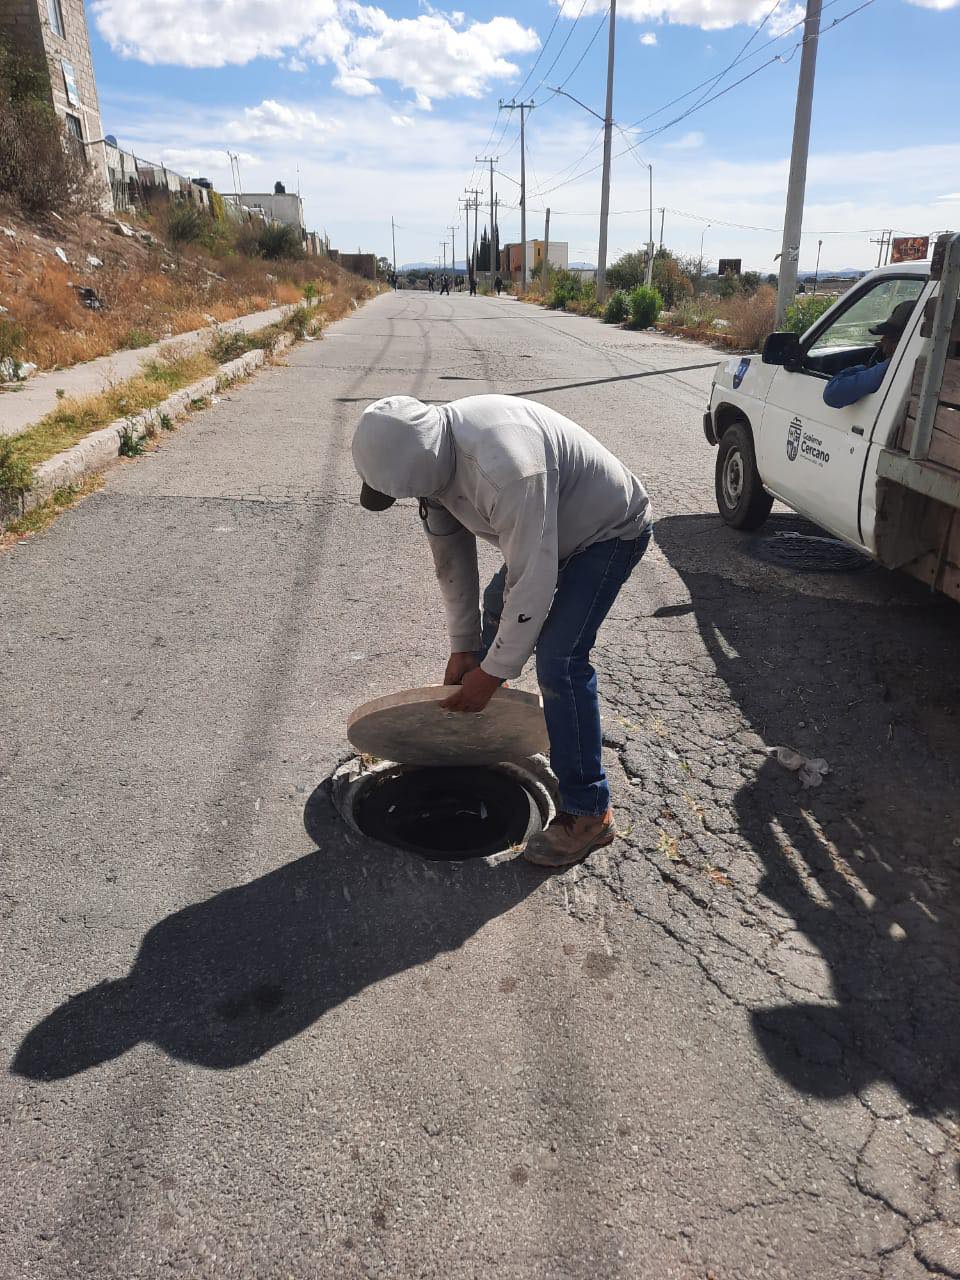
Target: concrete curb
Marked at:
94, 452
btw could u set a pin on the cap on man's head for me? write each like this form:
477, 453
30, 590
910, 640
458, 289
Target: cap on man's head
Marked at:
895, 323
373, 500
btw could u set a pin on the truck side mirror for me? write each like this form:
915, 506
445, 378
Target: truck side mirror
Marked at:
783, 349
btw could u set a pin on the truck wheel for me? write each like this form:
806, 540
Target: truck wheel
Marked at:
741, 498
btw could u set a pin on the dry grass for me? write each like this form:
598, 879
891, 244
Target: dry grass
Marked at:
148, 291
748, 319
74, 419
46, 512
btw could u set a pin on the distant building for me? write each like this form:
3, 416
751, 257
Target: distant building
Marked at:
511, 260
361, 264
53, 35
277, 206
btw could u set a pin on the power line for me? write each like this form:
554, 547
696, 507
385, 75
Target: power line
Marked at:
705, 102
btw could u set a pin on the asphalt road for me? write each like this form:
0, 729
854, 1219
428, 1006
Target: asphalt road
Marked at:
240, 1043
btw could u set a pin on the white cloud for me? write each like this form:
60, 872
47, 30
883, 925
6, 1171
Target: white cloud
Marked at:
207, 33
952, 197
403, 122
942, 5
429, 56
434, 55
274, 120
711, 15
648, 37
687, 142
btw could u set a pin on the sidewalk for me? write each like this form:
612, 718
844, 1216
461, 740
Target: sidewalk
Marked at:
37, 397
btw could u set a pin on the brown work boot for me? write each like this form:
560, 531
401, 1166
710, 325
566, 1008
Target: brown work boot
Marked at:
569, 838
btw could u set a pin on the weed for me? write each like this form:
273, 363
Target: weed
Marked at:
12, 336
227, 346
186, 224
133, 339
74, 419
310, 291
199, 402
645, 306
750, 318
16, 475
277, 240
44, 513
60, 393
298, 322
566, 288
668, 846
617, 308
132, 445
166, 422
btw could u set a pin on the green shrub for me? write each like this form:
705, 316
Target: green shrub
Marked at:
277, 240
136, 338
16, 475
186, 224
230, 345
566, 288
805, 311
645, 306
617, 308
310, 291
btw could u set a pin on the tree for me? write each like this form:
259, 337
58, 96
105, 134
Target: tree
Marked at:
629, 271
384, 266
669, 280
483, 252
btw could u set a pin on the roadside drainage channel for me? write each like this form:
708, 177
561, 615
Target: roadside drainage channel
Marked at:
446, 813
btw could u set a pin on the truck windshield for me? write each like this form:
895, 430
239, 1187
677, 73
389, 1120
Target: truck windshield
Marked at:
851, 328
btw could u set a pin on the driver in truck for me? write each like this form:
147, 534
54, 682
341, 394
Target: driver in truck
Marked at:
850, 385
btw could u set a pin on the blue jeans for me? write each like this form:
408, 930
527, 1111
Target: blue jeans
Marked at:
587, 585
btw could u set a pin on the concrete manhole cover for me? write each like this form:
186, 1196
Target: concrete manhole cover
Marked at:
808, 552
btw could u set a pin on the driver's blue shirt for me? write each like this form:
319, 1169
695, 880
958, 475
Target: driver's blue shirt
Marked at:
853, 384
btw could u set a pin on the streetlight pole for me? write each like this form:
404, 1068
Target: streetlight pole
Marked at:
816, 274
650, 241
393, 232
607, 139
797, 183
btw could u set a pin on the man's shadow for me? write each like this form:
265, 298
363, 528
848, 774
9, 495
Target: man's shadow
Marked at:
225, 980
867, 866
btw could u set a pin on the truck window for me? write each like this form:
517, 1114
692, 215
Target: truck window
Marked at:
851, 329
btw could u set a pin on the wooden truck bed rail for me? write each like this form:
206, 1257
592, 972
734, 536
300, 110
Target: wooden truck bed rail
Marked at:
918, 485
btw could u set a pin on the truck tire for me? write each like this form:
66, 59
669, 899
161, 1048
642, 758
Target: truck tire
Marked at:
741, 498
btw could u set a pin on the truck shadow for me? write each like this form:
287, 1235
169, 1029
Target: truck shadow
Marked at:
868, 866
225, 980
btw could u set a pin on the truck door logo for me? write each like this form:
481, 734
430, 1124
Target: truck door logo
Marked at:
794, 431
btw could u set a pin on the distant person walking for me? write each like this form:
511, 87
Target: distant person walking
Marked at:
430, 281
445, 284
498, 285
473, 286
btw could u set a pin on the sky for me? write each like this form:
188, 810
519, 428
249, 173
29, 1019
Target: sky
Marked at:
379, 112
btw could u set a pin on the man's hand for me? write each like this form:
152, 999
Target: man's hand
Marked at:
458, 664
476, 690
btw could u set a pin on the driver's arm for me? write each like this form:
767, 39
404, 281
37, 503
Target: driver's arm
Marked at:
851, 385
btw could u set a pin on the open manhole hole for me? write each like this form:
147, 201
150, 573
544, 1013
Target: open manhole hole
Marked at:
808, 552
445, 813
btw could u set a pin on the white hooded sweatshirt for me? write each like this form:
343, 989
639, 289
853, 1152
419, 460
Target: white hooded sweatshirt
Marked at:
510, 471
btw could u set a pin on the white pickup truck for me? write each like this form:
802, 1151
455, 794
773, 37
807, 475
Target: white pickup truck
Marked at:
883, 473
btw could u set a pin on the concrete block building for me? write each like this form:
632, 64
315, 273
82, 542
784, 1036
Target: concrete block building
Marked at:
511, 260
277, 206
53, 35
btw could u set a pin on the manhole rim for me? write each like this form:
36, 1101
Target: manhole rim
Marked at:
353, 777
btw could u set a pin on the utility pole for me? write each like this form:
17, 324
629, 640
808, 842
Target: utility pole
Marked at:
393, 232
650, 241
796, 187
475, 205
453, 251
495, 242
443, 246
662, 216
523, 108
491, 161
545, 269
607, 138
